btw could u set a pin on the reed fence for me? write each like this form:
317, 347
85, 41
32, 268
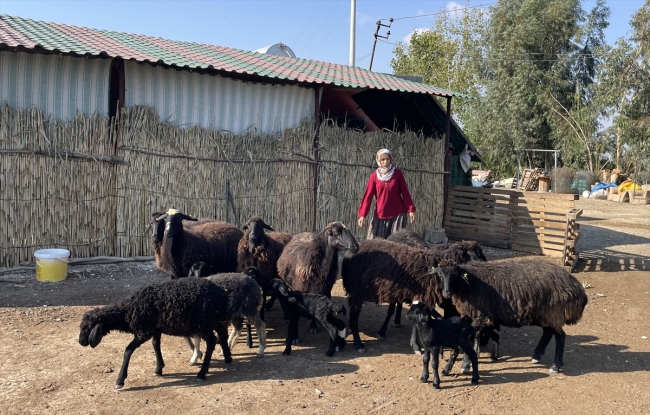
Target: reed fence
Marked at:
91, 184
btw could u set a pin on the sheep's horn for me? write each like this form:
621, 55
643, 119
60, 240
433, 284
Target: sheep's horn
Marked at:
161, 217
436, 270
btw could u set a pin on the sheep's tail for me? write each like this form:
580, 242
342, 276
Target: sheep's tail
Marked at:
574, 309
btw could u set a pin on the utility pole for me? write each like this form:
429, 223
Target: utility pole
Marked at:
379, 24
353, 28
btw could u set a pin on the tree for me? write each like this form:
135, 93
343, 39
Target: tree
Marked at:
446, 55
528, 43
576, 120
625, 88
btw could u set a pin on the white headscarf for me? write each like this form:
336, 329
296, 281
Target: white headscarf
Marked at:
384, 174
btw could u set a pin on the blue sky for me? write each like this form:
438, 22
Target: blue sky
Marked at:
314, 29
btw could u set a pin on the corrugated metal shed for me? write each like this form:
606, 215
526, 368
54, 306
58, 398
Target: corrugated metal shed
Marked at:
57, 85
189, 99
31, 34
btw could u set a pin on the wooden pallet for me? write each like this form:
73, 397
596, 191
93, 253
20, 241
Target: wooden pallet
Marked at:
529, 180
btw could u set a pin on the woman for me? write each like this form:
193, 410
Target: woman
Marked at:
393, 199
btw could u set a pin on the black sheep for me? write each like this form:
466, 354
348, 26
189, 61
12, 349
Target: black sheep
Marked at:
434, 333
244, 302
516, 294
311, 306
184, 307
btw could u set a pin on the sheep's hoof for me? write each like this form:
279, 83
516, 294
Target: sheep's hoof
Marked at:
380, 337
295, 341
118, 386
285, 353
445, 372
464, 370
228, 359
329, 354
424, 380
536, 358
418, 352
260, 355
436, 386
554, 370
156, 373
475, 381
313, 331
361, 350
199, 380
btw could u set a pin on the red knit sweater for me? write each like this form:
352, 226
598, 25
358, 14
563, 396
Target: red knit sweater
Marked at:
393, 197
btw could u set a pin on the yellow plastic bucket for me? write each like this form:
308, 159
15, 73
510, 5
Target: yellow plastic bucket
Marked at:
51, 264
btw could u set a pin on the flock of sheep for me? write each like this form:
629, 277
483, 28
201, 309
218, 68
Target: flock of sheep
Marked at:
223, 276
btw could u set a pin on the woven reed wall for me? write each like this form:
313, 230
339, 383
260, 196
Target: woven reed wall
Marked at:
90, 185
53, 193
187, 169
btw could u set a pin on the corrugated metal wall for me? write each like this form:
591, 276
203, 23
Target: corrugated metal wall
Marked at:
189, 99
59, 86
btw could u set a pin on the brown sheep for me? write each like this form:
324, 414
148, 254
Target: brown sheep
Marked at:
517, 294
388, 272
212, 242
261, 250
310, 261
158, 231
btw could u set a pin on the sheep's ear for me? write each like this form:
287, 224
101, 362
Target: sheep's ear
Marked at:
245, 227
279, 285
329, 232
96, 335
423, 316
265, 226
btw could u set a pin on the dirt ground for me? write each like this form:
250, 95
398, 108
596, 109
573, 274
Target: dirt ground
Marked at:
44, 370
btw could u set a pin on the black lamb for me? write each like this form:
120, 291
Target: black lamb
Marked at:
311, 306
185, 307
516, 294
434, 333
212, 242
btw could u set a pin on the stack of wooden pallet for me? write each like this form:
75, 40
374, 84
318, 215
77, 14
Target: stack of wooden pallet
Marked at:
529, 180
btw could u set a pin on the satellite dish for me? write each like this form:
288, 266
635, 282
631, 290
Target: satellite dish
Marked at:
277, 49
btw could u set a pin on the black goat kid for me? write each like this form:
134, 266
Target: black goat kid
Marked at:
434, 333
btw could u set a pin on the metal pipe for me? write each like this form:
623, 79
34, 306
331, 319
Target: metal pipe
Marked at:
353, 26
447, 180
